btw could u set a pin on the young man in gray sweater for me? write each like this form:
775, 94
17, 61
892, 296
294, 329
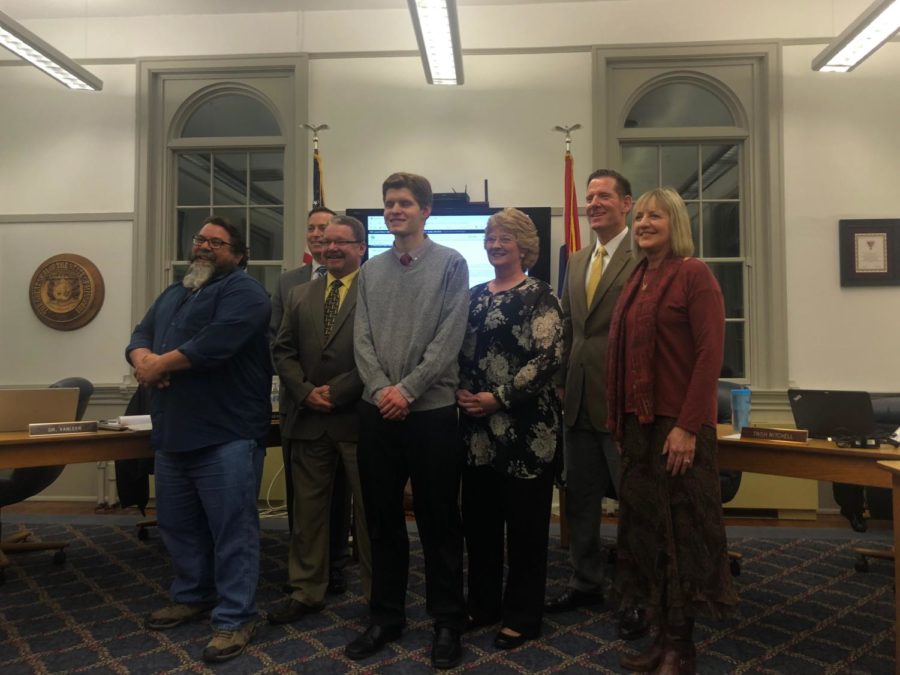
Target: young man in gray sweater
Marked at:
411, 315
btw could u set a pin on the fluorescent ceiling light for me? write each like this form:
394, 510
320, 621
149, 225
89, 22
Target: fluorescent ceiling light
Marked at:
19, 40
871, 29
437, 32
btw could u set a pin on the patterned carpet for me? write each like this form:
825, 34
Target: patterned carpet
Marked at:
804, 610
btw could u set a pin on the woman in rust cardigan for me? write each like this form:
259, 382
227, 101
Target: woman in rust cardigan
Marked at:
665, 353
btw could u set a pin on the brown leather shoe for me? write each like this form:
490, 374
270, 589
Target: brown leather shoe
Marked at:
678, 658
293, 610
645, 662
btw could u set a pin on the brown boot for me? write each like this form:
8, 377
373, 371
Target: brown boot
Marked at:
648, 660
679, 656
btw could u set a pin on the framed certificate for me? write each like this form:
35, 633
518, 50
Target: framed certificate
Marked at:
870, 252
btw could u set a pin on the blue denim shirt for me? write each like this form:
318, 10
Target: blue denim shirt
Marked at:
222, 329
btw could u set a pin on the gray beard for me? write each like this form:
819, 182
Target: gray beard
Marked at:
198, 274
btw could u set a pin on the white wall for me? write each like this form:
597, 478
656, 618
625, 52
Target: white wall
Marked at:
842, 160
65, 152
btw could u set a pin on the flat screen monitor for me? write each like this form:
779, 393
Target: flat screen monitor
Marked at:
461, 228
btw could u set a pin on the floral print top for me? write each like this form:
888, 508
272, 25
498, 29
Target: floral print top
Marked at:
512, 348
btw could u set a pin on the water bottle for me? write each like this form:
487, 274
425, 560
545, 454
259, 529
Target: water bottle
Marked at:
740, 409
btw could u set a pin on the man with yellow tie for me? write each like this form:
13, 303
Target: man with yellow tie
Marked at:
594, 278
313, 354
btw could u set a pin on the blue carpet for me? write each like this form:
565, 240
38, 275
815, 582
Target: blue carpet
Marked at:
804, 609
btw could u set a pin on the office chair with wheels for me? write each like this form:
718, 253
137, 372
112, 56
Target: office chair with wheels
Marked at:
887, 419
17, 485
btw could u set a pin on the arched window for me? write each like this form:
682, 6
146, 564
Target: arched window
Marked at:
234, 170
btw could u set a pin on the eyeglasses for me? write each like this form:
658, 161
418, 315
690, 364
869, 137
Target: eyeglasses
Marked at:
214, 242
339, 242
504, 239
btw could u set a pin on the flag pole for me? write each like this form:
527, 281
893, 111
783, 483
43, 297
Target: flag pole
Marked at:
318, 196
570, 205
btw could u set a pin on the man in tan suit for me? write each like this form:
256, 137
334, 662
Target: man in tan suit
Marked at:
313, 354
594, 278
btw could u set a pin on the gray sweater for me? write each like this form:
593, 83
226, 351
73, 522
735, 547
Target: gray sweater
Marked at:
410, 323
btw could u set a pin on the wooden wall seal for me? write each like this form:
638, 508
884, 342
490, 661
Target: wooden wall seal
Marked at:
66, 291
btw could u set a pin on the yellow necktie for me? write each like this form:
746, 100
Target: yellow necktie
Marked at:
596, 272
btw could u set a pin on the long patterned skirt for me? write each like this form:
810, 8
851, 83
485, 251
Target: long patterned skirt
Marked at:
672, 555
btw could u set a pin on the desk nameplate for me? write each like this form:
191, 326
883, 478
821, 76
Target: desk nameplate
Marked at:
773, 434
61, 428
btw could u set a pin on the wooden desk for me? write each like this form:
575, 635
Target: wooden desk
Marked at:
822, 460
18, 449
818, 460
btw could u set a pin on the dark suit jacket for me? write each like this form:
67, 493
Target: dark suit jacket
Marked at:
289, 279
586, 331
305, 359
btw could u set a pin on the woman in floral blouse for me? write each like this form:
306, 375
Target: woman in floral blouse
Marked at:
511, 428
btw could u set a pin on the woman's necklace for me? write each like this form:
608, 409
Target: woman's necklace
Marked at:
646, 279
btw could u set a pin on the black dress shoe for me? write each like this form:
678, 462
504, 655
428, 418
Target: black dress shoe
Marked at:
446, 651
293, 610
633, 624
504, 641
857, 522
372, 641
337, 582
572, 599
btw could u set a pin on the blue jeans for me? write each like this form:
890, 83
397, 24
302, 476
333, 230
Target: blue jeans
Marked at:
206, 508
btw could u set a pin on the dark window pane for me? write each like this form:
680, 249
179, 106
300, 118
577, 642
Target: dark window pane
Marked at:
731, 280
267, 178
189, 224
267, 234
231, 115
639, 166
178, 272
721, 230
230, 178
267, 275
693, 210
193, 179
733, 362
721, 172
679, 169
679, 104
237, 216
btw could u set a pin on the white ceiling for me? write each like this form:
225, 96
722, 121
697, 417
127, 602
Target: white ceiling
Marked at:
64, 9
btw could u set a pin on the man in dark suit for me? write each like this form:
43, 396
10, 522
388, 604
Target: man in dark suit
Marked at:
313, 354
594, 278
316, 222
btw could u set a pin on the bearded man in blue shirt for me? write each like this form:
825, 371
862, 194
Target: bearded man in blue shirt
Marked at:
204, 346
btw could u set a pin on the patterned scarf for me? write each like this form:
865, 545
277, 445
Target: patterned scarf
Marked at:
646, 299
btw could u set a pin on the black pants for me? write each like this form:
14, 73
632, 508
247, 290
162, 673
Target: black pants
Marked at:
339, 522
426, 449
491, 500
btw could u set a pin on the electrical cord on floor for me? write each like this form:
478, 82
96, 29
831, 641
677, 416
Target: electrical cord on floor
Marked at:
273, 511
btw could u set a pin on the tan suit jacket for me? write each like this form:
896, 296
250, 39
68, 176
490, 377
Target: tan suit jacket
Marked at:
305, 359
587, 332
